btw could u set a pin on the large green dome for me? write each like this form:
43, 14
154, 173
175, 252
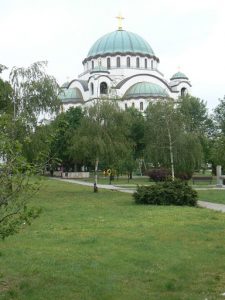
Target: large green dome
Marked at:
120, 42
145, 90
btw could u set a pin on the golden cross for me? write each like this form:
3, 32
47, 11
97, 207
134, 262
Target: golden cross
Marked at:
120, 18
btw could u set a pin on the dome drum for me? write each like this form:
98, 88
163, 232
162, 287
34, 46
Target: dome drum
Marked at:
121, 54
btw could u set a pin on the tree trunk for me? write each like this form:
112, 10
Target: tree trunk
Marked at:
171, 153
96, 171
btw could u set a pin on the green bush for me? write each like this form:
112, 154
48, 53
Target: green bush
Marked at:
166, 193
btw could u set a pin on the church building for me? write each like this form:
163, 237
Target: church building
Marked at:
123, 67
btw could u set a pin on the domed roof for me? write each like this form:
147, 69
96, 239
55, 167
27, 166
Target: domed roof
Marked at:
179, 75
70, 95
120, 41
145, 89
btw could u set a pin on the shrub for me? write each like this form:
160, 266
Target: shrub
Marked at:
166, 193
184, 175
158, 174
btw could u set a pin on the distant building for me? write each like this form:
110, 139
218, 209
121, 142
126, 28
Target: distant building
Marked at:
122, 66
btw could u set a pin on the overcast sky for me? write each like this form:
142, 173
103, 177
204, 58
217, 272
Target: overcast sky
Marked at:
189, 34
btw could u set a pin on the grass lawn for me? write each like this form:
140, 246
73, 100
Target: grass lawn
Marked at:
121, 181
216, 196
142, 180
102, 246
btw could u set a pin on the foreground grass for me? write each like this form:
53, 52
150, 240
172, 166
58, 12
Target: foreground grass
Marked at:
102, 246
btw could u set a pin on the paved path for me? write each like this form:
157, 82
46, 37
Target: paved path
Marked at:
209, 205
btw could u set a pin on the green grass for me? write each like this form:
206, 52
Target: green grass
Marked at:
142, 180
102, 246
216, 196
122, 181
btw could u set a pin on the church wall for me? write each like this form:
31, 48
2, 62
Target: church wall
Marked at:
179, 88
136, 103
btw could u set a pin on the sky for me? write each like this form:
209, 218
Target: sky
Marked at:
186, 35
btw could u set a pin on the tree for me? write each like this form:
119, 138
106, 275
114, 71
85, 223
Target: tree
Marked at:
136, 125
28, 93
217, 151
194, 112
168, 144
5, 97
197, 121
101, 136
15, 185
34, 92
219, 116
64, 128
218, 141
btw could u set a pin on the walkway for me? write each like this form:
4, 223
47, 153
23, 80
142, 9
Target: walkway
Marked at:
209, 205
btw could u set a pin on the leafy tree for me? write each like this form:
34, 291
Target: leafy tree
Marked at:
28, 93
168, 144
5, 97
217, 142
101, 136
64, 128
197, 122
15, 185
136, 125
194, 112
219, 116
217, 151
34, 92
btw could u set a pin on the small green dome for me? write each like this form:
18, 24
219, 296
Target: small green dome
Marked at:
120, 41
179, 75
70, 95
144, 90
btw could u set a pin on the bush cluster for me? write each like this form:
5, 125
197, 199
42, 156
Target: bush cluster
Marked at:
166, 193
160, 174
163, 174
184, 175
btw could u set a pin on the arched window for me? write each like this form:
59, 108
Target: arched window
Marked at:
141, 105
92, 88
103, 88
146, 63
118, 62
183, 92
125, 105
92, 64
108, 63
128, 62
132, 104
151, 64
137, 62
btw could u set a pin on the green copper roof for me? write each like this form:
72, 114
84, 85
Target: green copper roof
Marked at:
145, 89
71, 95
120, 41
179, 75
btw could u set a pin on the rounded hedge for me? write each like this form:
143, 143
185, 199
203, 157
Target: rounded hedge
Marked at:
166, 193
